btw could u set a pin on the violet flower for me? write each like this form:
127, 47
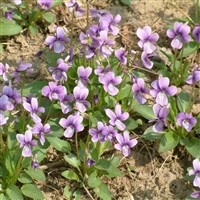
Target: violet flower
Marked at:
80, 94
124, 143
53, 91
34, 163
22, 67
73, 5
64, 103
145, 59
186, 121
180, 34
139, 90
13, 97
110, 133
83, 74
195, 195
90, 162
109, 81
72, 124
120, 54
196, 33
9, 15
3, 102
26, 142
161, 89
58, 41
59, 73
147, 38
117, 117
107, 22
161, 115
97, 13
98, 134
196, 171
195, 77
45, 4
40, 130
33, 106
100, 71
4, 70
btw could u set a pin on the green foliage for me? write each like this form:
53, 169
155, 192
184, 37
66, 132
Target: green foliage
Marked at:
31, 191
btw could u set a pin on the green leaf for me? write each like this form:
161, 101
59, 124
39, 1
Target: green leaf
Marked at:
49, 17
189, 49
190, 198
32, 191
168, 141
96, 117
110, 101
55, 129
11, 140
126, 2
36, 174
34, 88
165, 73
14, 192
103, 146
9, 27
183, 101
192, 146
33, 29
70, 175
67, 192
149, 134
56, 3
131, 124
93, 180
59, 144
123, 93
72, 160
145, 111
77, 195
24, 178
3, 197
102, 192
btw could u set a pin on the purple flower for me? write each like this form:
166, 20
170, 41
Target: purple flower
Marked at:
100, 71
104, 50
161, 115
196, 33
33, 106
59, 73
38, 54
145, 59
117, 117
9, 15
53, 91
13, 97
4, 70
39, 129
161, 89
196, 171
3, 102
72, 124
73, 5
99, 133
26, 142
109, 81
180, 34
45, 4
34, 163
110, 133
186, 121
83, 74
195, 195
195, 77
97, 13
64, 103
57, 42
124, 143
80, 94
90, 162
22, 67
139, 90
96, 99
17, 2
120, 54
3, 119
107, 22
147, 38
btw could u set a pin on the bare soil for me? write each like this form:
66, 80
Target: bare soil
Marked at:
155, 176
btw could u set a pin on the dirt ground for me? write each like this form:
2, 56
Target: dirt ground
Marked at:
155, 176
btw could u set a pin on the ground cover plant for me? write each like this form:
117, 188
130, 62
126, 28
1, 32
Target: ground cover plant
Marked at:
93, 102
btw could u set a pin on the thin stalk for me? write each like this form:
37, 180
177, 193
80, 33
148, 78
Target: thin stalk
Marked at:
72, 29
181, 60
197, 11
76, 143
48, 113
